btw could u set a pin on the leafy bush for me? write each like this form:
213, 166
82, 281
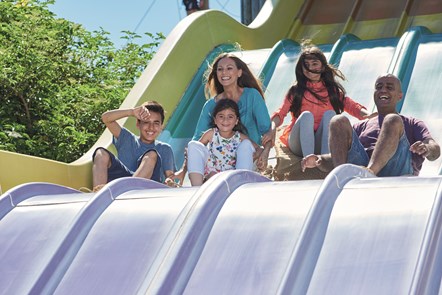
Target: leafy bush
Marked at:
58, 78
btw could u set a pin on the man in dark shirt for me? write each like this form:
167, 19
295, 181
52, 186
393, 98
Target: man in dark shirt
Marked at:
389, 144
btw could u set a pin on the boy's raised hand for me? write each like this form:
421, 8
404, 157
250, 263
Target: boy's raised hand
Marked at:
141, 113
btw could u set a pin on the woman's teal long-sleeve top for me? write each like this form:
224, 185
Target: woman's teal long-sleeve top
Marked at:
253, 113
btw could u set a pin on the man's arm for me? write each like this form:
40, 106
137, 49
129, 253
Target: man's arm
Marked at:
110, 118
433, 149
322, 162
429, 149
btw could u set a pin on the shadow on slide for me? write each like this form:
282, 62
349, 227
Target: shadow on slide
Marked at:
362, 40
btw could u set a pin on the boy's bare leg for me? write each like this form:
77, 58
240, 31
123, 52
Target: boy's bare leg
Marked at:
340, 137
100, 165
147, 165
196, 179
388, 141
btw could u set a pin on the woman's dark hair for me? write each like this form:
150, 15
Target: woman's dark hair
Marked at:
224, 104
336, 92
247, 79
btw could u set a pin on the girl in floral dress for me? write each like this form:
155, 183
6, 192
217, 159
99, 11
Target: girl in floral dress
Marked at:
220, 143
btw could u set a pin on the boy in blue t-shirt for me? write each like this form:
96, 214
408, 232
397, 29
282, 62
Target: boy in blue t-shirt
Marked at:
141, 156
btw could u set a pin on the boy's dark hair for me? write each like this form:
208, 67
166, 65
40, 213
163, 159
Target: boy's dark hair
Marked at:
224, 104
155, 107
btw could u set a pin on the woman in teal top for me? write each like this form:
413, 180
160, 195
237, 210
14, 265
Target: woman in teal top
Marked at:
230, 78
253, 112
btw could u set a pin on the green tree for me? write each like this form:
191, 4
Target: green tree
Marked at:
58, 78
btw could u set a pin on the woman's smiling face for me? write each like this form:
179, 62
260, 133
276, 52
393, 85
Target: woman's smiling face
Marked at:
227, 72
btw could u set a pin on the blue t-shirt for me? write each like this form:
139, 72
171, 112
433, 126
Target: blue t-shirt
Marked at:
130, 149
253, 113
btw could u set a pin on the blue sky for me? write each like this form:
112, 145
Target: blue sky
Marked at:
137, 16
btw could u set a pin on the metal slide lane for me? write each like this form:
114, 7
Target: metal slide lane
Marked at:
78, 229
383, 237
253, 238
424, 90
34, 218
279, 72
20, 193
361, 62
125, 241
184, 248
301, 264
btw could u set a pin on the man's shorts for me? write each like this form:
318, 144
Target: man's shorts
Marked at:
399, 164
118, 169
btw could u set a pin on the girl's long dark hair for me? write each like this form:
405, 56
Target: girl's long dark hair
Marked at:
224, 104
247, 79
336, 92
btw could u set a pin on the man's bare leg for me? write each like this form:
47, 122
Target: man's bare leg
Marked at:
388, 141
340, 137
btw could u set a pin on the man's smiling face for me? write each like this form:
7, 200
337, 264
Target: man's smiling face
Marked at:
387, 94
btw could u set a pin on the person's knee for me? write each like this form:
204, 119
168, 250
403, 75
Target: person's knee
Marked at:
245, 147
196, 149
393, 121
194, 145
340, 131
306, 118
340, 119
339, 122
101, 156
150, 157
246, 144
197, 155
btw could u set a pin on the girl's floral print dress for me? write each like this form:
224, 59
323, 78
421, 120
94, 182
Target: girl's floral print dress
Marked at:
222, 152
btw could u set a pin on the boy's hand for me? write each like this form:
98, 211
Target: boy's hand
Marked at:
141, 113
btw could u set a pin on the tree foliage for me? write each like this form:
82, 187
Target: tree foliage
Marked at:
57, 79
